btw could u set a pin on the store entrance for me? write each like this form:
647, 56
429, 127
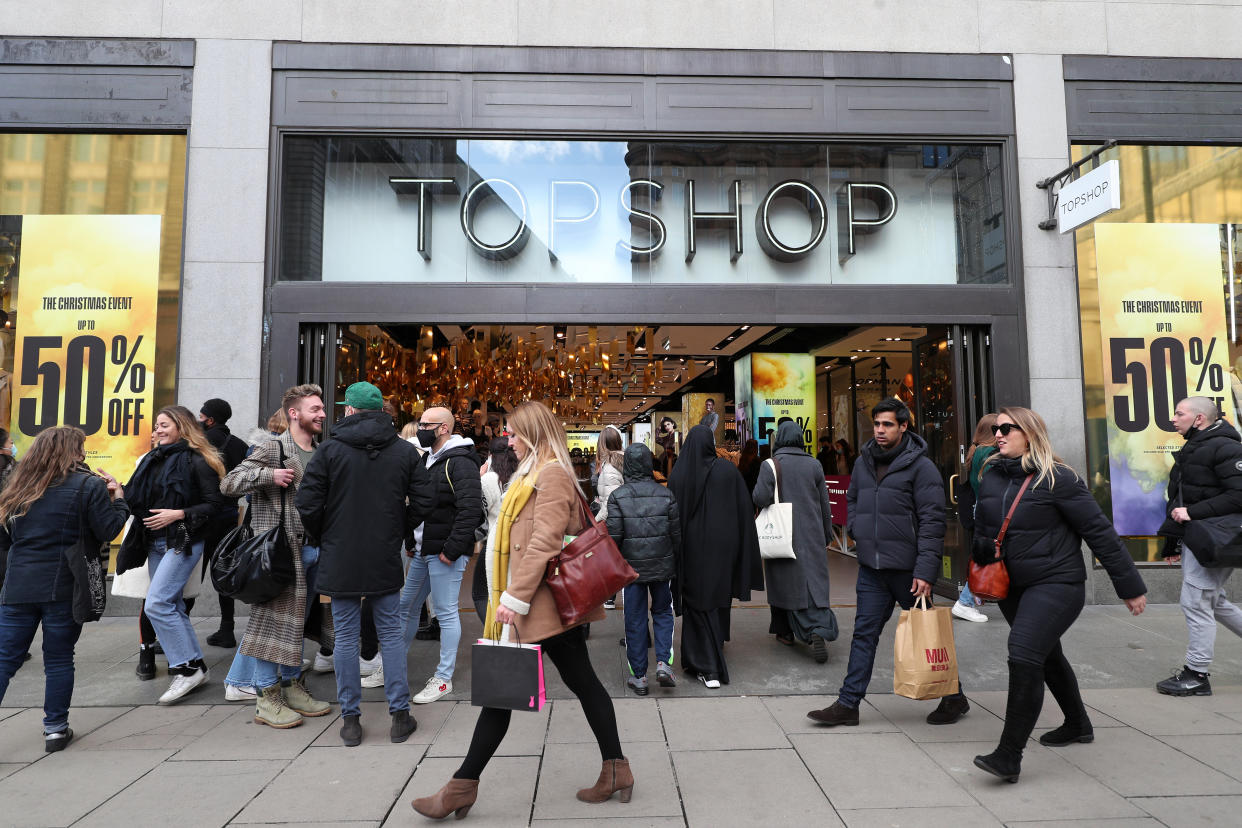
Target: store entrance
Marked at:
740, 379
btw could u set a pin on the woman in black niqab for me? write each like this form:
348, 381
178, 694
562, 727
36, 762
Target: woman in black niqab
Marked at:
720, 553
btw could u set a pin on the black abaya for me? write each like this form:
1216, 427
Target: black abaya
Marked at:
720, 551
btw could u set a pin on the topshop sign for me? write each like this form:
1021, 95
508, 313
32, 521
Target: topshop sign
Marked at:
576, 202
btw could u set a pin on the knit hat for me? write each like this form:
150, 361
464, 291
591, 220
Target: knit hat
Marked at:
217, 409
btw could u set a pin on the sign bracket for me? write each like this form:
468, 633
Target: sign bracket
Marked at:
1064, 177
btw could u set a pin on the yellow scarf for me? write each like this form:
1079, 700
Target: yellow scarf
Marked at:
515, 498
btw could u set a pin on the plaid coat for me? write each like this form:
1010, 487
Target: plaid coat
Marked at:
276, 627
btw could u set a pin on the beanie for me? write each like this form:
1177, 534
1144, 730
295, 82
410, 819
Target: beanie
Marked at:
217, 409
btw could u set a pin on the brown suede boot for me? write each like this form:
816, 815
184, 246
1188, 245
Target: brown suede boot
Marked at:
457, 796
614, 776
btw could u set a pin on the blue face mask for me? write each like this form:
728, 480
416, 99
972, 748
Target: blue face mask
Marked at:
13, 451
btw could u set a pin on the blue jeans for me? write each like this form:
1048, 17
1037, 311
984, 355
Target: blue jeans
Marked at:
636, 624
347, 620
18, 623
430, 575
248, 671
165, 607
966, 598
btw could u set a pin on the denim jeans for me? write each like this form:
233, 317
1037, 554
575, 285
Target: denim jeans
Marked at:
18, 623
636, 624
966, 598
877, 591
248, 671
347, 619
430, 575
165, 607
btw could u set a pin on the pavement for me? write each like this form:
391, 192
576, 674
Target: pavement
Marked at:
742, 755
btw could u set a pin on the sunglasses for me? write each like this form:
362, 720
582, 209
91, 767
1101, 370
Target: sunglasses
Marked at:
1004, 429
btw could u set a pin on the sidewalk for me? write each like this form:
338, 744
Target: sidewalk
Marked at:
744, 755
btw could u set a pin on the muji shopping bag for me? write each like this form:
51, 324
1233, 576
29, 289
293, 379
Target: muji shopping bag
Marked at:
924, 658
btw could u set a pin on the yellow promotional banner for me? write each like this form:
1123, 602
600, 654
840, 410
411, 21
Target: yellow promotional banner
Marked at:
1162, 321
770, 387
585, 440
86, 309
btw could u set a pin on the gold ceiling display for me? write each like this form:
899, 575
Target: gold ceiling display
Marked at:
493, 365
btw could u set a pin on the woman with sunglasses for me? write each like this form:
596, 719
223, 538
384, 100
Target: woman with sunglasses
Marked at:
1041, 547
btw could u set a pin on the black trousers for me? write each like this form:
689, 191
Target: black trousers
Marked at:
568, 652
1038, 616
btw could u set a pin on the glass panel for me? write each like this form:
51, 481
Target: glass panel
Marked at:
530, 211
1201, 184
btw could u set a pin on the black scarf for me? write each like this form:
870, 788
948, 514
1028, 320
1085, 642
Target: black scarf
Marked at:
162, 480
884, 457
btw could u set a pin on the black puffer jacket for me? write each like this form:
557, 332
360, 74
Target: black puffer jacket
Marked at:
643, 520
457, 498
898, 522
1206, 478
1043, 544
353, 501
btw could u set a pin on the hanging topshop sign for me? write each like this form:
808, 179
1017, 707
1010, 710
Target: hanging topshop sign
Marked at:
87, 304
1162, 321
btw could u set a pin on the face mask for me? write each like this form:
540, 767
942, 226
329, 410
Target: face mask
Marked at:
426, 437
14, 452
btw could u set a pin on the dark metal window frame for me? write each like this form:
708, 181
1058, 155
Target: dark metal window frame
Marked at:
901, 82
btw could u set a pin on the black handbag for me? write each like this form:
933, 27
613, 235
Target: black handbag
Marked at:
1215, 541
507, 676
85, 561
254, 568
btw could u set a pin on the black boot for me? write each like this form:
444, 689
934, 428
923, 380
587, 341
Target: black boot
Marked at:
1059, 677
145, 671
1026, 697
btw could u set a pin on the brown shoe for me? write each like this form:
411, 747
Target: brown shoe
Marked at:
455, 797
835, 714
614, 776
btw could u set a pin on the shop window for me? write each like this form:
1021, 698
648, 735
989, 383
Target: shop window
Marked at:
1163, 185
707, 212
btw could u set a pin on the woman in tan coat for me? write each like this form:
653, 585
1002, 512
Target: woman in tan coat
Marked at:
540, 507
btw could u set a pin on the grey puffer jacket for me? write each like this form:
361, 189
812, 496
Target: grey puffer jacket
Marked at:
643, 519
898, 522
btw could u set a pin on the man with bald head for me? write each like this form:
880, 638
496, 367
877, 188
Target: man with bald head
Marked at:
1205, 482
440, 547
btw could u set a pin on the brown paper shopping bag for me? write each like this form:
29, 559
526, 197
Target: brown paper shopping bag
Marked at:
924, 658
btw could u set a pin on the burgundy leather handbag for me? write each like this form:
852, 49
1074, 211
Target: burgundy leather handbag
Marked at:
588, 571
990, 581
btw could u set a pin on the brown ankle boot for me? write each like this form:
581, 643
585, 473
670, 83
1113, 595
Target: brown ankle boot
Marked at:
613, 776
457, 796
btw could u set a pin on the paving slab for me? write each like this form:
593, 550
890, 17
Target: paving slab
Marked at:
751, 787
790, 714
1134, 822
525, 736
847, 767
1221, 752
910, 717
962, 817
337, 784
238, 736
156, 728
376, 721
1049, 788
1191, 812
359, 824
638, 720
1123, 759
728, 723
1049, 717
1159, 715
9, 768
506, 790
66, 786
1224, 699
610, 822
207, 794
568, 768
21, 735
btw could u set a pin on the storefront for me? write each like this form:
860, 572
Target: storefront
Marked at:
482, 200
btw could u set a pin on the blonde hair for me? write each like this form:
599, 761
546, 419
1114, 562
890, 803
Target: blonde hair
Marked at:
194, 436
409, 430
55, 453
278, 423
1039, 458
537, 427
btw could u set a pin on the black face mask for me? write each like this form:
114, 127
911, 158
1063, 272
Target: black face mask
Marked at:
426, 437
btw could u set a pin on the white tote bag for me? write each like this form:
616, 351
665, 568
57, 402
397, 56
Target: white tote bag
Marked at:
775, 523
134, 583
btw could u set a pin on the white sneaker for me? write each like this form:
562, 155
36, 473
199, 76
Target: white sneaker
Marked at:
243, 693
436, 688
368, 666
322, 663
376, 679
968, 613
183, 684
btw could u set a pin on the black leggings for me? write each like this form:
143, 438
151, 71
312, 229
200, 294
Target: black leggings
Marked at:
1038, 616
568, 652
